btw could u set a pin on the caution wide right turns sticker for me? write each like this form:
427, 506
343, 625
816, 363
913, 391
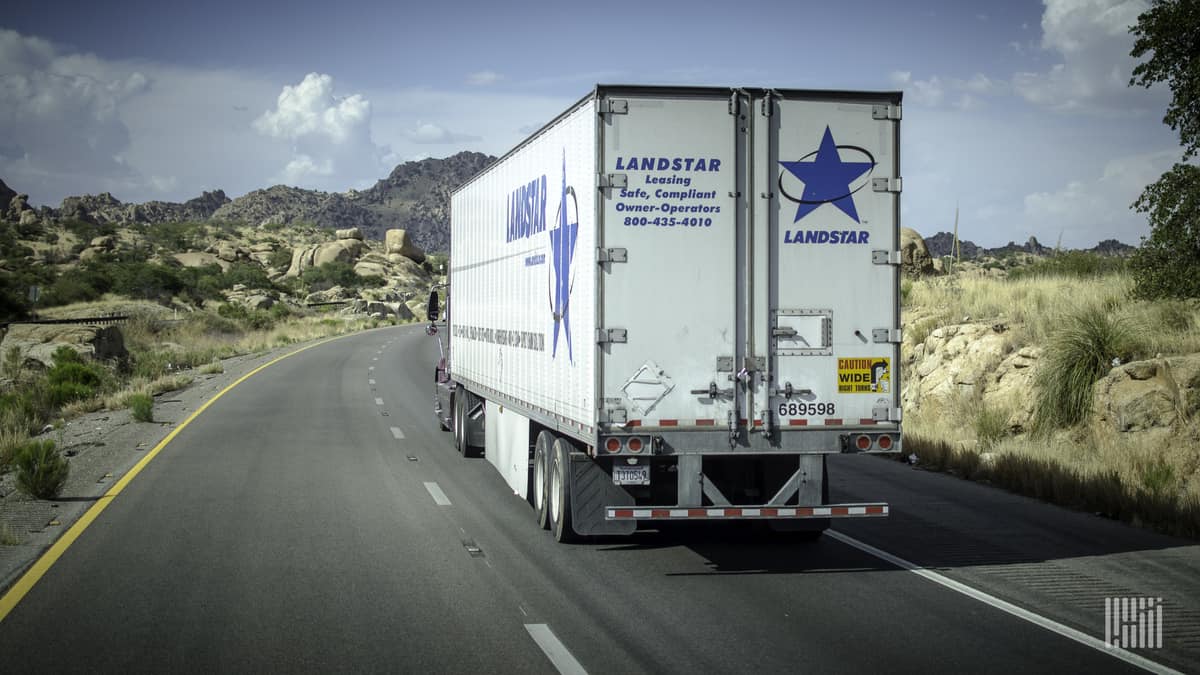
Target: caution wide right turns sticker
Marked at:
871, 375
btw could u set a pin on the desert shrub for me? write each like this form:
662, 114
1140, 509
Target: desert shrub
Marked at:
73, 379
80, 284
141, 406
1071, 264
1078, 354
281, 258
153, 363
209, 323
14, 363
214, 368
906, 287
175, 236
248, 274
337, 273
41, 469
85, 231
990, 424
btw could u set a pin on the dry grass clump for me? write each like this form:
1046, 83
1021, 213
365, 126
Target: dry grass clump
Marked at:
1120, 478
1083, 322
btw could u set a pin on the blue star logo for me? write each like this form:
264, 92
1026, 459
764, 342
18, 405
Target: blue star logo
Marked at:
562, 248
827, 179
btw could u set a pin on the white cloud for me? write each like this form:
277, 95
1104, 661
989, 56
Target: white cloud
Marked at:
1092, 40
923, 92
936, 91
330, 135
425, 132
1096, 208
484, 78
62, 116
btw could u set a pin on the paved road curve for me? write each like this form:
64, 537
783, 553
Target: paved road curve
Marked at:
314, 519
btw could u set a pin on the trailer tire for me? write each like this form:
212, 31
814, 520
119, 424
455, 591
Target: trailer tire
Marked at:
542, 451
560, 492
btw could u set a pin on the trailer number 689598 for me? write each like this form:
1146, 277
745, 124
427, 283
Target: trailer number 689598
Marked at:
794, 409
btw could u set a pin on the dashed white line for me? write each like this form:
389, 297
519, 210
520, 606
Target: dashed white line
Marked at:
1036, 619
397, 434
370, 381
378, 401
439, 497
371, 368
555, 650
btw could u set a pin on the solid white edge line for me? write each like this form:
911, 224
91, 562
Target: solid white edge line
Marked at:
554, 649
397, 434
1004, 606
439, 497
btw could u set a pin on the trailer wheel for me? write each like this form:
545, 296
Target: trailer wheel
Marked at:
560, 492
542, 451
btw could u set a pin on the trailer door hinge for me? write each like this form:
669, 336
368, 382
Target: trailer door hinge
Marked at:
886, 257
889, 111
887, 335
887, 184
886, 414
613, 180
614, 106
612, 255
610, 335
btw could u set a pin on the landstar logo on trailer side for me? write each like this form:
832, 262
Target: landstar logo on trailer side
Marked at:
827, 179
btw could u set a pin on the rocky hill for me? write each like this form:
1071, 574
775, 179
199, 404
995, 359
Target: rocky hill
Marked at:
942, 244
415, 197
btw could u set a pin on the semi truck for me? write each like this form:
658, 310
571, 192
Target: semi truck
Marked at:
674, 303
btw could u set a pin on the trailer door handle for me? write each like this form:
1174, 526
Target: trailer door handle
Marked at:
784, 332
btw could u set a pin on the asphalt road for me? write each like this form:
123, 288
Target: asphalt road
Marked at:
314, 519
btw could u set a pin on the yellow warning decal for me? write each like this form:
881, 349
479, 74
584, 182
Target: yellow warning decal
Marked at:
870, 375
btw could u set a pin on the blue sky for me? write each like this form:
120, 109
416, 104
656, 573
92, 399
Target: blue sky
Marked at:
1018, 112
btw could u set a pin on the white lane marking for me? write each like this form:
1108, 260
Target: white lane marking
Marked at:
397, 434
439, 497
370, 381
1036, 619
378, 401
375, 358
554, 650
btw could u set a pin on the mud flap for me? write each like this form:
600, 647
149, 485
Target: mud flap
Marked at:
591, 490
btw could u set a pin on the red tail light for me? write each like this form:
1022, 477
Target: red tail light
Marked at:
634, 444
884, 442
612, 445
863, 442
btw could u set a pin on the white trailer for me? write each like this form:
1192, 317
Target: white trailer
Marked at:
673, 303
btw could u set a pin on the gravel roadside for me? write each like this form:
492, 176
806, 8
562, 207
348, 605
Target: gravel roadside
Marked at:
101, 447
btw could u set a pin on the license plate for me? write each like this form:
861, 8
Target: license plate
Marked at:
631, 475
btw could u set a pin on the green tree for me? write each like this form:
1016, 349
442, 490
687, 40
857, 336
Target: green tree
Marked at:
1167, 264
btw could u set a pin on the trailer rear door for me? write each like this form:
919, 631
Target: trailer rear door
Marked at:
669, 191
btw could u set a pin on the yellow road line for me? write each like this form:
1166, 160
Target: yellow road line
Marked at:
43, 564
